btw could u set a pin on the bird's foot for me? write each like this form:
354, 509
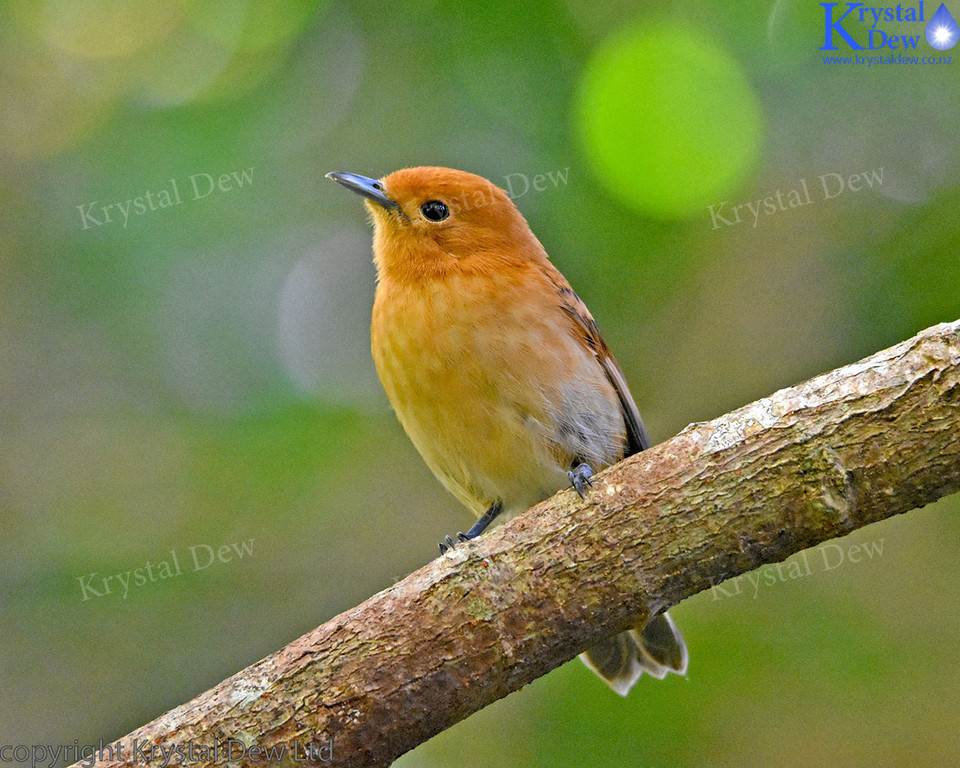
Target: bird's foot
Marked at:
478, 527
448, 543
580, 478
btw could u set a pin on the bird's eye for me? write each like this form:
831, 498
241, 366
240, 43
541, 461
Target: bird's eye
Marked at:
434, 210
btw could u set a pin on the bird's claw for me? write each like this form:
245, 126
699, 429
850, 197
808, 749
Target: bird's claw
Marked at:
580, 478
448, 543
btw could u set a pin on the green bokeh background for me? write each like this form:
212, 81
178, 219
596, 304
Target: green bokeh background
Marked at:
201, 376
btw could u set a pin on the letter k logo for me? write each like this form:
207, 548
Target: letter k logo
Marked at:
830, 26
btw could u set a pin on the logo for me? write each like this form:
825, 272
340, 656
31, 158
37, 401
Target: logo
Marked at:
891, 27
942, 32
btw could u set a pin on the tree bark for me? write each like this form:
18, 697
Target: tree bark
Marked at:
807, 464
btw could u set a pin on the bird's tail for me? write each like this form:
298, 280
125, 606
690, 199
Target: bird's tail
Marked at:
656, 649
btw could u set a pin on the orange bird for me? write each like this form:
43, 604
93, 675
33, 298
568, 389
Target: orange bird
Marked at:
496, 369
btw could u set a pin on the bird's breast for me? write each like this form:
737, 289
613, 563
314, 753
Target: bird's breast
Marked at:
490, 387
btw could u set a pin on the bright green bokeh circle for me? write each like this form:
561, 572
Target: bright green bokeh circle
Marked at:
668, 120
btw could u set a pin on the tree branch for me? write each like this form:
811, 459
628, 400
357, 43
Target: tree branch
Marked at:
807, 464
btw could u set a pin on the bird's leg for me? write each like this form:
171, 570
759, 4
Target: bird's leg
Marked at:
580, 477
482, 522
476, 529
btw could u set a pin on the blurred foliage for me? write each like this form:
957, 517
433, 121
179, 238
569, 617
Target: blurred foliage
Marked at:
197, 374
668, 134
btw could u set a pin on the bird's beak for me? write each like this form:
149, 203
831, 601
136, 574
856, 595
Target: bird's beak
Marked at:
369, 188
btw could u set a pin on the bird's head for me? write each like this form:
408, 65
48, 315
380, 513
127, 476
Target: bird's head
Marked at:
430, 222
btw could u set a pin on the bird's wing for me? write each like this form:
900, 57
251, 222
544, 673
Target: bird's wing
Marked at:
586, 330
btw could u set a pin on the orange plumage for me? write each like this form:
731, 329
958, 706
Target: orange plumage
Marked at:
495, 367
